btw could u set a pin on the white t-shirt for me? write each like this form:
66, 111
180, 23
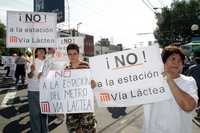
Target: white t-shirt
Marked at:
167, 116
33, 83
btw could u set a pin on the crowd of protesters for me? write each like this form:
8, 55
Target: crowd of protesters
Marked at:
170, 116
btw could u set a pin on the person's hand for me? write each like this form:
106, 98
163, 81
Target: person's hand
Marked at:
39, 75
93, 84
31, 74
167, 76
32, 67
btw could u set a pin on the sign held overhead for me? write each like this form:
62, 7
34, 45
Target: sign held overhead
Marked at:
30, 29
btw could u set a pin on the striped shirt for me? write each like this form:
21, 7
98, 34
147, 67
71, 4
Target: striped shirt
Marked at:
82, 65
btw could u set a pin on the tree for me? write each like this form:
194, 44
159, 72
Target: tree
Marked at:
2, 37
174, 23
103, 42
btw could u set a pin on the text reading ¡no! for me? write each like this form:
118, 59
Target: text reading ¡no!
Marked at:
124, 60
33, 18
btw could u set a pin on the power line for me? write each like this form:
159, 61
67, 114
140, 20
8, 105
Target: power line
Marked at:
149, 7
150, 4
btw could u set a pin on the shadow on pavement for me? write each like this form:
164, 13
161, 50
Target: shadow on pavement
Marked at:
17, 112
52, 125
20, 100
8, 112
11, 111
16, 127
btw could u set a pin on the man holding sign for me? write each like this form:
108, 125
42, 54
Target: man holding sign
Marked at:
79, 122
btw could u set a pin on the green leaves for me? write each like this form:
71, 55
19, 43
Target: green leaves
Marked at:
174, 23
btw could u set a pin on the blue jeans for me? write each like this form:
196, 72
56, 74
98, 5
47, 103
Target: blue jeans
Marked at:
38, 121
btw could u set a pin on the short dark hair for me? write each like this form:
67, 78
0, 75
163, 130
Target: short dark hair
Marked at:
37, 49
73, 46
20, 53
169, 50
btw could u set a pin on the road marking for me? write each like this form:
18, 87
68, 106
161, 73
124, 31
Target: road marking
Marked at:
123, 121
196, 122
9, 96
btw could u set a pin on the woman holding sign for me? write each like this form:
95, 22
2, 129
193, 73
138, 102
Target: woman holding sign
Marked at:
173, 115
38, 121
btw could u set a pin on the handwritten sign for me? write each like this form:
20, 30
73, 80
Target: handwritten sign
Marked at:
67, 91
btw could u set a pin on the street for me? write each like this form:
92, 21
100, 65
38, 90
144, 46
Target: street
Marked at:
15, 114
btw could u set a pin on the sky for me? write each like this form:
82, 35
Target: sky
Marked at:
121, 21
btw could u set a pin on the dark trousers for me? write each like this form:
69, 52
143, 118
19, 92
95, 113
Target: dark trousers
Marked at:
20, 71
8, 70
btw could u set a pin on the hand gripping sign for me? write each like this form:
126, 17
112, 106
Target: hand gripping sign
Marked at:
129, 77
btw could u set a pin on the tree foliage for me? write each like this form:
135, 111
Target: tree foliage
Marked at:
103, 42
174, 23
2, 37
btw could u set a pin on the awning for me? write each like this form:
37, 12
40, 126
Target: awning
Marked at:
191, 47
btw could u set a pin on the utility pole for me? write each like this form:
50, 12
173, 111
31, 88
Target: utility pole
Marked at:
78, 28
68, 16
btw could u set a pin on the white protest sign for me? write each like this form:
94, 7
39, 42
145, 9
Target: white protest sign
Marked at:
66, 91
129, 77
31, 29
63, 42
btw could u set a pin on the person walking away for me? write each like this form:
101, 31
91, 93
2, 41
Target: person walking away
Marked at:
20, 68
13, 66
8, 65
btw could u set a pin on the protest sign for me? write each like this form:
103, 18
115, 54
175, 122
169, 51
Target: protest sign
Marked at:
31, 29
63, 42
129, 77
66, 91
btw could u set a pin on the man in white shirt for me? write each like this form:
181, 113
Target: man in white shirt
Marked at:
173, 115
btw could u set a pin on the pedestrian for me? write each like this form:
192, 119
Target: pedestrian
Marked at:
79, 122
13, 66
38, 121
20, 68
194, 71
8, 64
173, 115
